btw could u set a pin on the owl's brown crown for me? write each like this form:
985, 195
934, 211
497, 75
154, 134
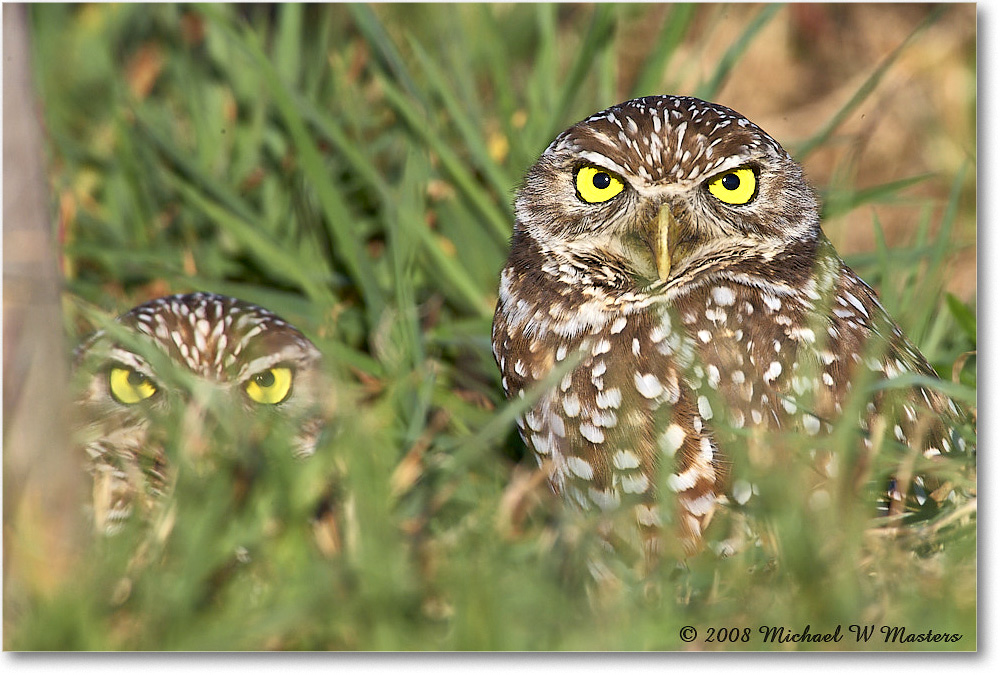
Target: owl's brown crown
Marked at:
208, 332
668, 138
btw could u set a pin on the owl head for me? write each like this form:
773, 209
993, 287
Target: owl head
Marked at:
182, 369
656, 185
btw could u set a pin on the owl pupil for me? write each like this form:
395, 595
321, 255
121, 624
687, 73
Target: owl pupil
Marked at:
602, 181
265, 379
136, 378
730, 181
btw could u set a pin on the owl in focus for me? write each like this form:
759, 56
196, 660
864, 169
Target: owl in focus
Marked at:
189, 364
667, 263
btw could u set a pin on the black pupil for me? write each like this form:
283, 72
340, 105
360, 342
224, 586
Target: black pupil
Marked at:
730, 181
602, 181
136, 378
265, 379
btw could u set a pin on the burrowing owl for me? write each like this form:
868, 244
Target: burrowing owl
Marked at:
668, 256
177, 367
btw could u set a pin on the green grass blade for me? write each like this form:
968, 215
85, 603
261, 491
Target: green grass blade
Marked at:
463, 178
181, 162
351, 150
287, 43
709, 89
385, 50
837, 203
471, 133
964, 317
820, 138
675, 28
597, 39
259, 243
338, 217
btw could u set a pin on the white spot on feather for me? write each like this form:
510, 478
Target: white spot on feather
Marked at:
704, 408
542, 443
672, 439
557, 425
591, 433
723, 295
647, 515
857, 303
742, 491
635, 484
678, 482
810, 423
580, 467
625, 459
648, 385
605, 499
571, 405
611, 398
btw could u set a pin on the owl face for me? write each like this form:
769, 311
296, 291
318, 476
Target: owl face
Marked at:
659, 183
205, 348
190, 365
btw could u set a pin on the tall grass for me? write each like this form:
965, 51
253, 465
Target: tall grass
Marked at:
352, 167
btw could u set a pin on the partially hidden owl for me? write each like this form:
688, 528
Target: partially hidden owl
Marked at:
180, 367
669, 276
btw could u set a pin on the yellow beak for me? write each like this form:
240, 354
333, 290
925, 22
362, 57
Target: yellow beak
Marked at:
665, 230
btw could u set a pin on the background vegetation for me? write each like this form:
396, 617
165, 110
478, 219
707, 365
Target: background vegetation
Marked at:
352, 168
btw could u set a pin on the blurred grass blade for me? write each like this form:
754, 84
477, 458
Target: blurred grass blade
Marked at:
287, 43
498, 61
675, 28
543, 75
597, 39
261, 245
385, 50
351, 150
888, 292
471, 133
731, 57
943, 245
837, 203
506, 416
964, 316
959, 392
463, 178
181, 162
339, 219
806, 148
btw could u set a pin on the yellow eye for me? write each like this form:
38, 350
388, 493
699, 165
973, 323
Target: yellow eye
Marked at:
738, 186
129, 386
270, 386
596, 185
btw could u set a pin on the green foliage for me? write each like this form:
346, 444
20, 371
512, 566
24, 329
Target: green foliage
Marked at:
352, 168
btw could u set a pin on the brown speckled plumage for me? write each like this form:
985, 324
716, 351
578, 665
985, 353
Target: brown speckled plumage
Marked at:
214, 343
730, 316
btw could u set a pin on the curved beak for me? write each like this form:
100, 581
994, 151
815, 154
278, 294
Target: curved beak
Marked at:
663, 237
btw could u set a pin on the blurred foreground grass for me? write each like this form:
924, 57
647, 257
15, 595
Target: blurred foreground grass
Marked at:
352, 168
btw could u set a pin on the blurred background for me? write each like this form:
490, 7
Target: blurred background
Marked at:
352, 167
